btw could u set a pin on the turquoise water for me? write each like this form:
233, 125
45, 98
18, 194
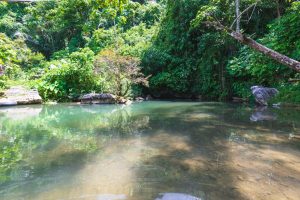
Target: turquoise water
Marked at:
149, 151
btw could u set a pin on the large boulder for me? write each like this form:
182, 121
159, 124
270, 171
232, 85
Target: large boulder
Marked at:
96, 98
103, 98
18, 95
263, 94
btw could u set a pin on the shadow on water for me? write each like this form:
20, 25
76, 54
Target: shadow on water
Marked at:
216, 155
152, 150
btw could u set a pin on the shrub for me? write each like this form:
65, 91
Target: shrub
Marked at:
70, 77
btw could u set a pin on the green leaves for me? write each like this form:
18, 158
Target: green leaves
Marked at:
206, 13
69, 77
250, 67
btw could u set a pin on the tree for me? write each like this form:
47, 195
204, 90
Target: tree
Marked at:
122, 72
207, 15
55, 24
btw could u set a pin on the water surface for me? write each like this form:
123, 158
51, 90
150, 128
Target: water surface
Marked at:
148, 151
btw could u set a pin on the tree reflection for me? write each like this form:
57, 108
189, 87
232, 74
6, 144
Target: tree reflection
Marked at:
58, 135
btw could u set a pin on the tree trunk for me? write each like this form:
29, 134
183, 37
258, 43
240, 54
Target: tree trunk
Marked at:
278, 8
238, 15
289, 62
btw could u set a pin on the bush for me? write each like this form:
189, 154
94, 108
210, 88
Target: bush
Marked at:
288, 93
17, 57
70, 77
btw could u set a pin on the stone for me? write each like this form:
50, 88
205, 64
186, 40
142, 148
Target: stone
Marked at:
128, 102
18, 95
96, 98
263, 94
139, 99
176, 196
8, 102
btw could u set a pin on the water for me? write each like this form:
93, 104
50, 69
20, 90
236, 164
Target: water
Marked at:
149, 151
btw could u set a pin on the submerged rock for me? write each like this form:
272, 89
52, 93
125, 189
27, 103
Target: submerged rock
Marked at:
19, 95
263, 94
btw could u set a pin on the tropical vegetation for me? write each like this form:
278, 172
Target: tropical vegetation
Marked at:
165, 48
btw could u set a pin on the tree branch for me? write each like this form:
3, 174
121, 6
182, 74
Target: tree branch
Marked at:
243, 12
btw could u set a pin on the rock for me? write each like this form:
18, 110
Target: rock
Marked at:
104, 98
263, 94
121, 100
19, 95
128, 102
149, 97
176, 196
8, 102
95, 98
139, 99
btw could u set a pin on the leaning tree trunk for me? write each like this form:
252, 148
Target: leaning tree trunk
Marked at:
289, 62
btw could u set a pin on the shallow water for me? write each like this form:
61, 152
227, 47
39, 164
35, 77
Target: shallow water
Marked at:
150, 150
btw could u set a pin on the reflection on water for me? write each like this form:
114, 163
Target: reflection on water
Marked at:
151, 150
262, 113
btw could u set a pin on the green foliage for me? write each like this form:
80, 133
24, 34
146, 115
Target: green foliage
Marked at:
251, 67
11, 18
102, 38
56, 25
177, 49
132, 42
184, 60
136, 13
15, 56
288, 93
70, 77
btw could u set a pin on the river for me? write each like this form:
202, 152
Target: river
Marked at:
149, 151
